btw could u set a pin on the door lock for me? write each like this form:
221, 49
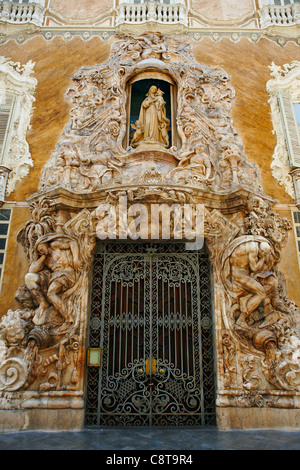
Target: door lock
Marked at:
150, 366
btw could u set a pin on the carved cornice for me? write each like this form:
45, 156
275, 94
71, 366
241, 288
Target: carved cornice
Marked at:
64, 199
21, 33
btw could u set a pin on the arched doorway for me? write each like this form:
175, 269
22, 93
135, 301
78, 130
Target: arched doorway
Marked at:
151, 317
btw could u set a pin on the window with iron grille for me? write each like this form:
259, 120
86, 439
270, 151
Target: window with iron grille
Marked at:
296, 220
290, 114
6, 116
5, 216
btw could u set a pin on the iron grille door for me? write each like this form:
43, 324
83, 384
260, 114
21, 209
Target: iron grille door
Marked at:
151, 316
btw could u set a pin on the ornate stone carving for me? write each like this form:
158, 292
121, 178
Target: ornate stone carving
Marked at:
42, 343
92, 153
260, 314
16, 80
196, 166
46, 330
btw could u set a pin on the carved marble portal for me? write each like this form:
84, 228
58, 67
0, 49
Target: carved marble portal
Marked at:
257, 325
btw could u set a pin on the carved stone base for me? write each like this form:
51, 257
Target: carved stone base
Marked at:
258, 418
39, 420
142, 163
56, 410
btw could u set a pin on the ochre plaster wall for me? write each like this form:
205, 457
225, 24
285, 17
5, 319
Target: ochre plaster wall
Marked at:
220, 10
83, 10
223, 10
56, 62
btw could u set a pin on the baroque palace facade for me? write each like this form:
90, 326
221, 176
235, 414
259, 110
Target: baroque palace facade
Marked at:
149, 215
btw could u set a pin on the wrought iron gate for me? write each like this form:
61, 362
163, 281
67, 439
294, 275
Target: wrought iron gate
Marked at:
151, 317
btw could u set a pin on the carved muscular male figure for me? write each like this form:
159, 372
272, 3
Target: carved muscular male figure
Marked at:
252, 281
53, 273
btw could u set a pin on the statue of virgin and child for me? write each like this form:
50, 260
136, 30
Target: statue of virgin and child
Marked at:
152, 125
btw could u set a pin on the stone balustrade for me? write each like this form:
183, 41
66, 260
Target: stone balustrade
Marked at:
286, 15
17, 13
157, 12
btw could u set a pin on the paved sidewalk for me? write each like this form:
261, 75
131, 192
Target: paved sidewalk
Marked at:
149, 439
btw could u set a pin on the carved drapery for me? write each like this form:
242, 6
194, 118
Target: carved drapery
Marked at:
257, 341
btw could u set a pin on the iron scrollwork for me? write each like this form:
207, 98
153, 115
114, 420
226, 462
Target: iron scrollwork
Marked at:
156, 369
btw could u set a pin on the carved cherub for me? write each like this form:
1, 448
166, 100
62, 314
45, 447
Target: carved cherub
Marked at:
195, 164
154, 47
138, 132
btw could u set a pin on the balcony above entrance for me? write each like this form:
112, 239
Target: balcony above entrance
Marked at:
166, 16
21, 16
280, 17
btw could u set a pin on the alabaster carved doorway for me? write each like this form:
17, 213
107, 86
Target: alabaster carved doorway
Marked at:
157, 350
151, 317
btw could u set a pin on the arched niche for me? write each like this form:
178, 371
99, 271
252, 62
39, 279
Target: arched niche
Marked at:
137, 87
